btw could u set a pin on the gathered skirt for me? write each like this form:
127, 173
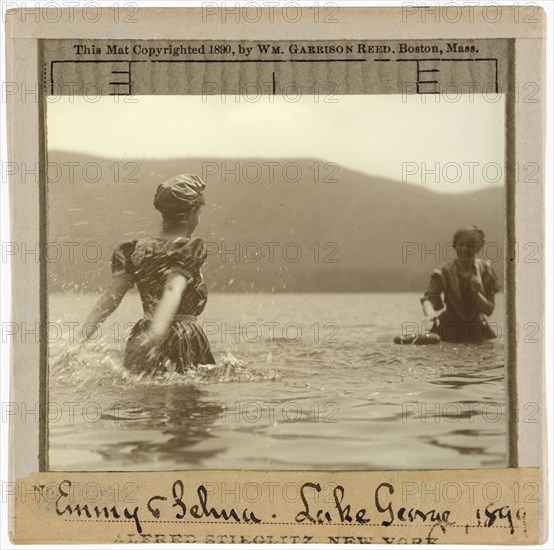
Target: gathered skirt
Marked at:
185, 346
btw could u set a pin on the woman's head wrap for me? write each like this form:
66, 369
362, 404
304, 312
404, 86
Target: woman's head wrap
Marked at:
178, 195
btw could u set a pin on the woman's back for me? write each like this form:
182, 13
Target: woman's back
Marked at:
150, 260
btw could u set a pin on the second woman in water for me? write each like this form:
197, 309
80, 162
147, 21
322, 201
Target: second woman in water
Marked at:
461, 295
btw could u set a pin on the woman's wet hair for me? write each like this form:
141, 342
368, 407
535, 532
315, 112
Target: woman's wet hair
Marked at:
469, 229
172, 220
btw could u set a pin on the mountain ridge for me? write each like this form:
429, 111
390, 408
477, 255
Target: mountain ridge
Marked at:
359, 233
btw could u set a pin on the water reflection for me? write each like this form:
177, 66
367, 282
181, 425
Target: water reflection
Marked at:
173, 422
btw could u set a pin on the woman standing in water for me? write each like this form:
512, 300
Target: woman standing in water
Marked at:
469, 285
166, 270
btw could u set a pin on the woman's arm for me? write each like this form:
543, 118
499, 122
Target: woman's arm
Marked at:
484, 304
107, 303
168, 305
432, 302
428, 310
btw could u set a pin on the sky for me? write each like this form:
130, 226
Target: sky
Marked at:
445, 146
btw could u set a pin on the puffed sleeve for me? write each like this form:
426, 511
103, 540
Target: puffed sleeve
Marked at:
187, 256
490, 280
435, 290
121, 258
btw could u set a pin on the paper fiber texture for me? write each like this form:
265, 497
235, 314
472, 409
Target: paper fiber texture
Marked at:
416, 507
275, 67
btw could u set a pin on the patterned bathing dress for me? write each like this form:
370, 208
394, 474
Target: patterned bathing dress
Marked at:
150, 261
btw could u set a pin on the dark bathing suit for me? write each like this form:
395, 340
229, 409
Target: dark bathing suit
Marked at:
461, 321
150, 261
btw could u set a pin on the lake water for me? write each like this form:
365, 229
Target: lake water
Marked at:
302, 381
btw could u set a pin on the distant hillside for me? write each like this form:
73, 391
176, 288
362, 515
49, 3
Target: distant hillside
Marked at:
368, 220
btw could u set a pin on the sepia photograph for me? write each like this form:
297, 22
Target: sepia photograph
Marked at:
283, 282
277, 274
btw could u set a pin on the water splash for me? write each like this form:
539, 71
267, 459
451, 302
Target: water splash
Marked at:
83, 366
228, 369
